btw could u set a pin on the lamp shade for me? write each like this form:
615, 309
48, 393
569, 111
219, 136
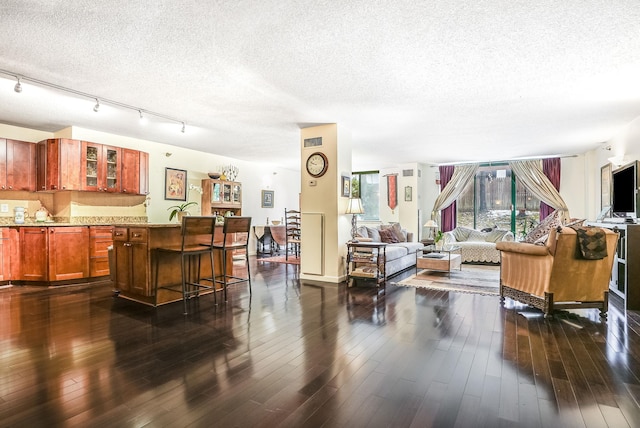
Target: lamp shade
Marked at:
431, 223
355, 206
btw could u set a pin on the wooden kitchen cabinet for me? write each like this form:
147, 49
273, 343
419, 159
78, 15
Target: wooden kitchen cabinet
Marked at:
100, 239
17, 165
68, 253
135, 172
132, 260
58, 164
33, 254
50, 254
5, 255
100, 167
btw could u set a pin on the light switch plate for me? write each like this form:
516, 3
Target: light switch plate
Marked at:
4, 208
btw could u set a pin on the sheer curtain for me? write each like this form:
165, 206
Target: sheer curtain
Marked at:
461, 176
530, 172
551, 169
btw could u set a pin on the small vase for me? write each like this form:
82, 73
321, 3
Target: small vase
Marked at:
439, 245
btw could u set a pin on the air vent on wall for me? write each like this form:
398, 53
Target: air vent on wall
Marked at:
407, 173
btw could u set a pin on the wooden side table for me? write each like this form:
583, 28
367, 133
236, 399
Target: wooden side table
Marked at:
365, 261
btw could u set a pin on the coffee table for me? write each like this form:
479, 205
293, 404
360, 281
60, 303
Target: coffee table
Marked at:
444, 259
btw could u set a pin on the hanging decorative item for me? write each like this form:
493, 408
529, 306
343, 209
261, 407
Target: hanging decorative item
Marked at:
392, 191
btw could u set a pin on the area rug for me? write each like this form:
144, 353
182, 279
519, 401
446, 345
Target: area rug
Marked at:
293, 260
473, 279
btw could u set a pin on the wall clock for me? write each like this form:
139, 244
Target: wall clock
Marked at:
317, 164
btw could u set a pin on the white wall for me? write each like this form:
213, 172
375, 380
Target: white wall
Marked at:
625, 145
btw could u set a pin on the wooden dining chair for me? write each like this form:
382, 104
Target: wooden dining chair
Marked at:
292, 223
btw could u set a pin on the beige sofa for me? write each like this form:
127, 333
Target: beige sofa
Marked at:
399, 255
556, 275
477, 246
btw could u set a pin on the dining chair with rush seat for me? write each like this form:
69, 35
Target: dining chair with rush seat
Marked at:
292, 223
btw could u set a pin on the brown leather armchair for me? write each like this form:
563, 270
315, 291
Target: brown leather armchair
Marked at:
554, 275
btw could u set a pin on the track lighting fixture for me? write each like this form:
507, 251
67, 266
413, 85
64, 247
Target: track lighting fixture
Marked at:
144, 116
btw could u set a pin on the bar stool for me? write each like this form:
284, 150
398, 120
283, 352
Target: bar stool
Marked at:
193, 229
234, 226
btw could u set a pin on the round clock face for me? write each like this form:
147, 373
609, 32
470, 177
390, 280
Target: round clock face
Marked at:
317, 164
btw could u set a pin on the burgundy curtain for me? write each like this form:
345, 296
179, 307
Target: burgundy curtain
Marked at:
448, 215
551, 168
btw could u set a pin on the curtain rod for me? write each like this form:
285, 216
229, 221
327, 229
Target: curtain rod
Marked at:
492, 163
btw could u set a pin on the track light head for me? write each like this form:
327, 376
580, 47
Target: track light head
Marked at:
18, 87
96, 108
143, 118
182, 130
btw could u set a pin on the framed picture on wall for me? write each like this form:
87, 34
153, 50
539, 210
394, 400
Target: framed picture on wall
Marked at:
605, 186
408, 193
175, 184
346, 186
267, 199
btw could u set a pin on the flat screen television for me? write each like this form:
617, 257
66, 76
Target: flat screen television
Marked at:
625, 191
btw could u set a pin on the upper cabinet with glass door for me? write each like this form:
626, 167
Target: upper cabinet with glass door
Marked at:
100, 168
221, 197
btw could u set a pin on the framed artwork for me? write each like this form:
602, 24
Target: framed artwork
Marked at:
267, 199
175, 184
346, 187
605, 186
408, 193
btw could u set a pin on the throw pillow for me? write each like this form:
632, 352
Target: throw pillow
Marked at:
387, 235
374, 234
575, 222
397, 230
496, 235
362, 232
461, 233
553, 220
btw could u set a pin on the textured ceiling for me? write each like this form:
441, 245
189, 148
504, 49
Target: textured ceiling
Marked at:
415, 81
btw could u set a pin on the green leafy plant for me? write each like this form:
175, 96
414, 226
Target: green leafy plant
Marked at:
439, 236
179, 208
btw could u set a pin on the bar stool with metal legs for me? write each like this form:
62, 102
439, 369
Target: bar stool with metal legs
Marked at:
235, 239
193, 230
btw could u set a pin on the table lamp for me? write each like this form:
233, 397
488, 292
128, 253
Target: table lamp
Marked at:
433, 226
355, 208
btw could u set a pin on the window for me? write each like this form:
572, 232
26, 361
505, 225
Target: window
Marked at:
366, 186
487, 200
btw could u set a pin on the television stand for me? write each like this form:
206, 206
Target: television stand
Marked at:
625, 277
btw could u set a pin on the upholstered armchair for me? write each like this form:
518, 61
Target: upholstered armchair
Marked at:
555, 275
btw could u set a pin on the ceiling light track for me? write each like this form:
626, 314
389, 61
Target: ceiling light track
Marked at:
99, 100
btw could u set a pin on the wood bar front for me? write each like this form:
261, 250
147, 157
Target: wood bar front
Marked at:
136, 257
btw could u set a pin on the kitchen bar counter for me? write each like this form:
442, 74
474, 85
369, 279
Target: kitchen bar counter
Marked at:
136, 260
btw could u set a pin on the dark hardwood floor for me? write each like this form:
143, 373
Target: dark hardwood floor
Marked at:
311, 355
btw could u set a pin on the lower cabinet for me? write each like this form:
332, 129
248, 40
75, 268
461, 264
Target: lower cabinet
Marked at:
5, 255
33, 254
100, 239
47, 254
132, 260
68, 253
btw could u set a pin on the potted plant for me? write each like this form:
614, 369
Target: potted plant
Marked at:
180, 211
438, 240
